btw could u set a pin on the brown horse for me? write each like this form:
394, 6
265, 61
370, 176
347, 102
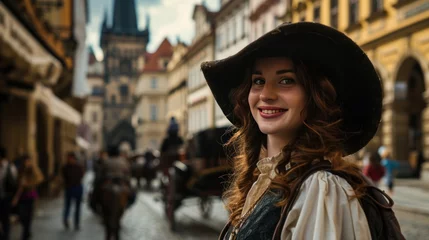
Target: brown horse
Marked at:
114, 200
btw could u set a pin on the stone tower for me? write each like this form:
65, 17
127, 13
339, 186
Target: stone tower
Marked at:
122, 43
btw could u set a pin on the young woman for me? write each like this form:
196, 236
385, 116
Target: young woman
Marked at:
301, 94
30, 177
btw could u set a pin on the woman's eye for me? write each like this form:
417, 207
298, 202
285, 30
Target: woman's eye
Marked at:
258, 81
287, 81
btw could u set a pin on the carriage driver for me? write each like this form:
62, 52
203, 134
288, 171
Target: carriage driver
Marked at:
115, 169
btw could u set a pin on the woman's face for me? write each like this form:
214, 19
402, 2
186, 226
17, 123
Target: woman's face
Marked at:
276, 98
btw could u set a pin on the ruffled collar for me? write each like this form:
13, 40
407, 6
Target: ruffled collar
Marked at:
267, 167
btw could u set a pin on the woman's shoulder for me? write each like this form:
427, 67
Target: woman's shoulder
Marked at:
328, 183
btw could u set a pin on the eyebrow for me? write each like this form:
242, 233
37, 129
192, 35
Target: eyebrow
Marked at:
277, 72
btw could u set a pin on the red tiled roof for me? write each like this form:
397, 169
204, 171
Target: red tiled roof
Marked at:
165, 50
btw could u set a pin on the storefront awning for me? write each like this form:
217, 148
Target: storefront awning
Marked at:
56, 106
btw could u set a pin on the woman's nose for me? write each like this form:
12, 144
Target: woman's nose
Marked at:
268, 93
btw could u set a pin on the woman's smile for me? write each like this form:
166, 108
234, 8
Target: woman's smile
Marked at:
271, 112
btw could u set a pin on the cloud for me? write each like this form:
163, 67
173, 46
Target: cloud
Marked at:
168, 18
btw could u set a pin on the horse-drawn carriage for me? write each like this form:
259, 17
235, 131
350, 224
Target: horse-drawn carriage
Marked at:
200, 174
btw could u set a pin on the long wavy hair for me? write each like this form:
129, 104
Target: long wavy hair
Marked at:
320, 137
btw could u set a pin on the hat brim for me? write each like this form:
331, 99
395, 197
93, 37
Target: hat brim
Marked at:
346, 65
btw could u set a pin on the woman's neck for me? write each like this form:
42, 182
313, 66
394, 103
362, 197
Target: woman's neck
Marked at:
275, 144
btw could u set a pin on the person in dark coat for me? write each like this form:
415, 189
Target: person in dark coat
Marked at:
171, 145
8, 185
73, 173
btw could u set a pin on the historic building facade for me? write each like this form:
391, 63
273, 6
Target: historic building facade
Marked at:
152, 92
200, 100
122, 43
265, 15
395, 36
39, 113
177, 87
232, 34
93, 110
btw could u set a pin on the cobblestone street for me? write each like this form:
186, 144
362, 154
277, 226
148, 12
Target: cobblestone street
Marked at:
145, 220
413, 225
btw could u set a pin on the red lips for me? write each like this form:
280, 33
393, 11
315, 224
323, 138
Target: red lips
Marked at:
271, 112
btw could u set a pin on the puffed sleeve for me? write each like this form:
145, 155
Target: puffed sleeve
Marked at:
325, 209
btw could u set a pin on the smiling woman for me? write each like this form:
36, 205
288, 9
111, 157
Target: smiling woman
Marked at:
296, 99
276, 99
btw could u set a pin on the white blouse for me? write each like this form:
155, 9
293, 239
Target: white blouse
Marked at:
324, 209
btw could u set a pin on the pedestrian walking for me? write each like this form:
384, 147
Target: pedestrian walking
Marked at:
29, 177
374, 170
73, 173
391, 166
301, 95
8, 187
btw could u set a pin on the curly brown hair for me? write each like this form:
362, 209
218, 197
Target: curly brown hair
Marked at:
320, 137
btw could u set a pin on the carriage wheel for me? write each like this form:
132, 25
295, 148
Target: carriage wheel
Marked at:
171, 199
206, 206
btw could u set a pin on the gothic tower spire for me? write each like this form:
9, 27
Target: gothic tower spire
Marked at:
124, 17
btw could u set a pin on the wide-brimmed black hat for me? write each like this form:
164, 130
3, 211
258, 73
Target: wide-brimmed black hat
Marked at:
356, 82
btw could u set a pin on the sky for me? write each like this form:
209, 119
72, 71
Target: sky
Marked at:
168, 18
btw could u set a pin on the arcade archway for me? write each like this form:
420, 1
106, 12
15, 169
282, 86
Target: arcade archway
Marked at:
408, 108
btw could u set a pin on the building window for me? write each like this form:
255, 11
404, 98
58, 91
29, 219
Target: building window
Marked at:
334, 13
227, 36
154, 143
125, 66
165, 64
94, 117
275, 22
123, 89
113, 99
376, 6
218, 39
316, 14
153, 112
263, 28
154, 83
97, 91
353, 12
243, 26
94, 138
302, 16
232, 30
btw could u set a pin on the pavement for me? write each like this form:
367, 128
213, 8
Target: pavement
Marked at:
146, 220
411, 195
